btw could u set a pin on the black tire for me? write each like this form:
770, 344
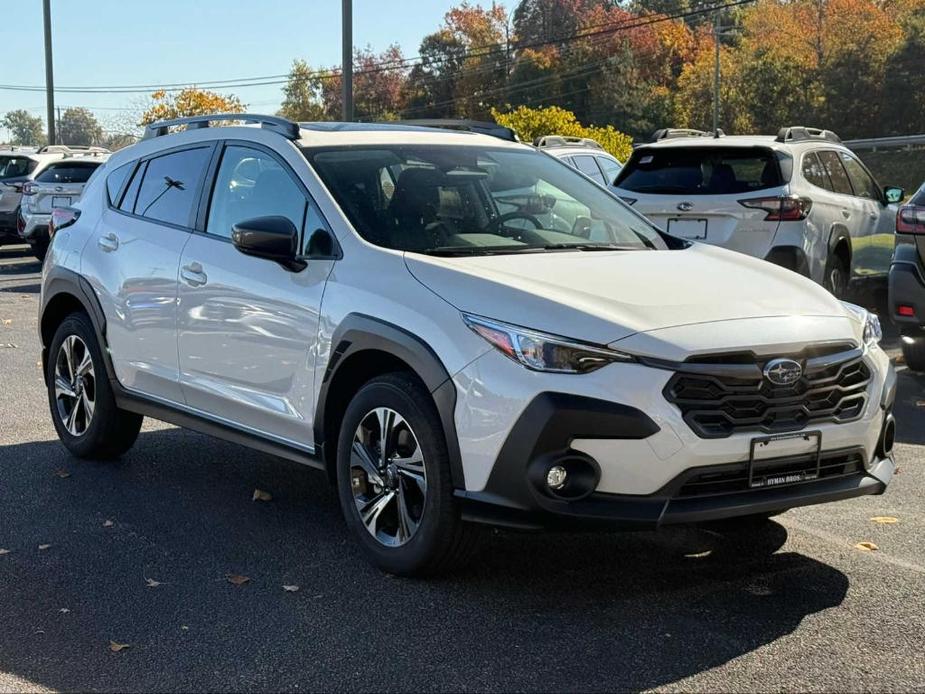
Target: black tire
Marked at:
914, 353
110, 432
40, 250
441, 541
837, 275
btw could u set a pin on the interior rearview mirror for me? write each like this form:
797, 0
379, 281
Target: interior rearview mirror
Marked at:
273, 238
893, 194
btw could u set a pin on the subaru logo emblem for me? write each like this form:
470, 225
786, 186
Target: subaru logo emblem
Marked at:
783, 372
685, 206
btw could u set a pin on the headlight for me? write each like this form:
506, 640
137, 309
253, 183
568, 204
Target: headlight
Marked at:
542, 352
873, 332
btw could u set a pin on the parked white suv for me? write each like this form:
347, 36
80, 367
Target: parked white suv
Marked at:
355, 297
58, 185
801, 199
584, 154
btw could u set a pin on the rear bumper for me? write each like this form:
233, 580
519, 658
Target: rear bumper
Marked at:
907, 288
36, 229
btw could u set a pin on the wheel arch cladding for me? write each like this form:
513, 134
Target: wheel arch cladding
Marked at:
840, 239
364, 347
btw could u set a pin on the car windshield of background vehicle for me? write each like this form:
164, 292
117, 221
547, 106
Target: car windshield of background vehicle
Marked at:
73, 172
470, 200
700, 171
14, 167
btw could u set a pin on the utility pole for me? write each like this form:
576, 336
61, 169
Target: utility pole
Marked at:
49, 73
716, 34
347, 58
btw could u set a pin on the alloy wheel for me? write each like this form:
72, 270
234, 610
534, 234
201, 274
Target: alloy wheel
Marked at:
75, 385
387, 477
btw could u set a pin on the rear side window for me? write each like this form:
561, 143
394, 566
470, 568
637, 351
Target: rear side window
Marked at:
836, 172
814, 172
700, 170
116, 180
862, 182
610, 168
71, 172
14, 167
588, 166
919, 197
170, 186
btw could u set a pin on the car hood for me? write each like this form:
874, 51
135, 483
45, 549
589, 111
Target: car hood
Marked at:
604, 296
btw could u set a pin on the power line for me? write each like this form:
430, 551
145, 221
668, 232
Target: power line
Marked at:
389, 65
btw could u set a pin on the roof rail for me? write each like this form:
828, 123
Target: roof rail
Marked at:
472, 126
284, 127
800, 133
18, 148
671, 133
72, 150
566, 141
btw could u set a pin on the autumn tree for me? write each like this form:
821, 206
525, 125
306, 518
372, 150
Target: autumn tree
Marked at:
302, 94
78, 126
378, 82
905, 80
25, 129
189, 102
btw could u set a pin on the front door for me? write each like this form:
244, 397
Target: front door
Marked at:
247, 326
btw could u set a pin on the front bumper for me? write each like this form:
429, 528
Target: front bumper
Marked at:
638, 449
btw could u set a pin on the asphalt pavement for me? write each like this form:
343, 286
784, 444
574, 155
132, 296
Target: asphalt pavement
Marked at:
139, 553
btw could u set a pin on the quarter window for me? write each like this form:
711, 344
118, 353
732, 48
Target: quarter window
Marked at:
814, 172
836, 172
864, 186
170, 186
116, 180
250, 184
610, 167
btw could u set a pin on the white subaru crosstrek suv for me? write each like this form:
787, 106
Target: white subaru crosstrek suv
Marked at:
801, 200
354, 297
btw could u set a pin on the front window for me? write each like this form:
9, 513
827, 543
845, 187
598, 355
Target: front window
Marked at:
721, 170
451, 200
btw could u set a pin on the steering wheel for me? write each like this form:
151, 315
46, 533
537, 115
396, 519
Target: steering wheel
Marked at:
508, 216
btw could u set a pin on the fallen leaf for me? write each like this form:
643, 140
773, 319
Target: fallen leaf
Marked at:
108, 524
920, 403
260, 495
3, 551
184, 627
64, 610
7, 321
151, 583
899, 359
44, 546
867, 546
8, 345
886, 520
62, 473
237, 580
116, 647
291, 589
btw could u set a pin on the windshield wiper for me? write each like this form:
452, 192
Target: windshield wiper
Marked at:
453, 251
590, 247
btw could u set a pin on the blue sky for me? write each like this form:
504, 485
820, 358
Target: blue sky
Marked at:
128, 42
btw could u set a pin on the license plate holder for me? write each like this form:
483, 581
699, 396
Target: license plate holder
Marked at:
692, 229
768, 478
60, 200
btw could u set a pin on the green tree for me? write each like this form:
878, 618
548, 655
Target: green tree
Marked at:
302, 94
25, 129
904, 112
78, 126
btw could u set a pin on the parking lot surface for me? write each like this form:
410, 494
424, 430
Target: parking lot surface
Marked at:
139, 552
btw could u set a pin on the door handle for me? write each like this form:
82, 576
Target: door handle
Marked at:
193, 275
108, 243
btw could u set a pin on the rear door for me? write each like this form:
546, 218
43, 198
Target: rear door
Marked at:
696, 192
133, 259
587, 164
873, 247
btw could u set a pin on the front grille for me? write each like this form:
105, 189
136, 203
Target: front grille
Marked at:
733, 478
719, 398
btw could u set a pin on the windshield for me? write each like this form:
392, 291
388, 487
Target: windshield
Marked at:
469, 200
15, 167
72, 172
700, 170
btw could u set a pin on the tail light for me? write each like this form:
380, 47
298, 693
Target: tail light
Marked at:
28, 188
61, 218
786, 208
20, 224
910, 219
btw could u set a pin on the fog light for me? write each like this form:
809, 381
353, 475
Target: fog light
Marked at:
555, 478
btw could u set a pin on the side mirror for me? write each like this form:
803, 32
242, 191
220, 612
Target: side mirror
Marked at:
273, 238
893, 194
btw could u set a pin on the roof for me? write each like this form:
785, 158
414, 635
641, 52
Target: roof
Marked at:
559, 151
332, 134
740, 141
